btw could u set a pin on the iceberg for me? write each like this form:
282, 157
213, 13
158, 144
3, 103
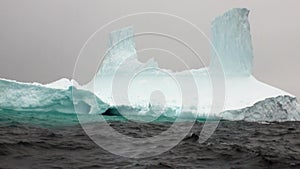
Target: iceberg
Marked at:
126, 86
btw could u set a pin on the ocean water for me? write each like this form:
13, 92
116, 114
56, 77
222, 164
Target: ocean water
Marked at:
56, 140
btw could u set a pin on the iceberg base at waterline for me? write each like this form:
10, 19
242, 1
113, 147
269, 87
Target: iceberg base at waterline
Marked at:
38, 99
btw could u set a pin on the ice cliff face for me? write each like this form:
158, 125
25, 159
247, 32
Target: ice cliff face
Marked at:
232, 40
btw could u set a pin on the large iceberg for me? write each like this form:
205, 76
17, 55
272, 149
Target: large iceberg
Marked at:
123, 84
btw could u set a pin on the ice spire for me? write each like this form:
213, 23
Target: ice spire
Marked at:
121, 40
232, 40
121, 47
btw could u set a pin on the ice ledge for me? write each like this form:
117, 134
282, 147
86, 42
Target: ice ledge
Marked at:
280, 108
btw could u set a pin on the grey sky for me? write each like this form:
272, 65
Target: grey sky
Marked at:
40, 39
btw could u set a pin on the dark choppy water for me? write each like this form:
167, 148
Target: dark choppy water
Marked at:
233, 145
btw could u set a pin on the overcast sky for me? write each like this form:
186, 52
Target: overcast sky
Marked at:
40, 39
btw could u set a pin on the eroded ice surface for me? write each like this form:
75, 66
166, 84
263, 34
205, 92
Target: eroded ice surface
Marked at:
232, 40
